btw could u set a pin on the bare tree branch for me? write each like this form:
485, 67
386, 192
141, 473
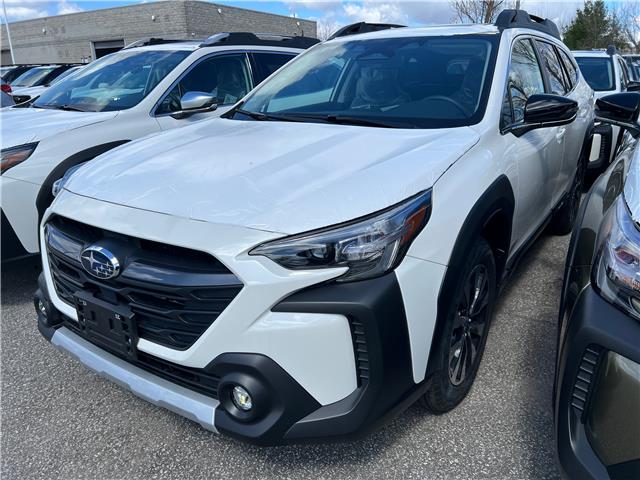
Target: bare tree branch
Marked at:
627, 14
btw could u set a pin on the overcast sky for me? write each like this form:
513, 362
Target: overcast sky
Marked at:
336, 12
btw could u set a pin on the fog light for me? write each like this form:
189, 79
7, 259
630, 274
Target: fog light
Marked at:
241, 398
42, 308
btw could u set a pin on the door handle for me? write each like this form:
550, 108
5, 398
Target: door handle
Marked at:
560, 134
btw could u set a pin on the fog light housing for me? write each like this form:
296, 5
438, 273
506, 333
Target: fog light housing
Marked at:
241, 398
42, 308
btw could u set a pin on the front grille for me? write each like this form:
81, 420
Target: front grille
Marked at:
585, 379
174, 292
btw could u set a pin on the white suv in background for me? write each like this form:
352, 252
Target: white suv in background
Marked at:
331, 249
145, 88
606, 72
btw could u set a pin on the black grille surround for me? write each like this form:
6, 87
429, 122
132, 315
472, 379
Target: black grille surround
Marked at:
175, 293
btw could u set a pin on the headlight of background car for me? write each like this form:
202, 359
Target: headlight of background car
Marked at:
617, 267
14, 155
58, 185
369, 247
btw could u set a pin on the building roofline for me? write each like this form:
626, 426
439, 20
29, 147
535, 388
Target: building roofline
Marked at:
85, 12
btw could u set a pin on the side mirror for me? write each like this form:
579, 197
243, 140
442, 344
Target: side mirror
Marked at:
545, 110
633, 86
195, 102
621, 109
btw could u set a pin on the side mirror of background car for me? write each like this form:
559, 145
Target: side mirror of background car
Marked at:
545, 110
633, 86
620, 109
195, 102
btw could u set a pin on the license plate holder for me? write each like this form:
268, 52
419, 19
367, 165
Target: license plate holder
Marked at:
110, 326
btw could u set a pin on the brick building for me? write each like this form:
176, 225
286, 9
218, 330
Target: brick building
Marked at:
85, 36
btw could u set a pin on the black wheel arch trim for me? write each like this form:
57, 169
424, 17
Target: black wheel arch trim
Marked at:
44, 198
497, 199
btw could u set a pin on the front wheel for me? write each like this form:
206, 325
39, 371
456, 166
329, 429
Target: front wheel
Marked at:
458, 351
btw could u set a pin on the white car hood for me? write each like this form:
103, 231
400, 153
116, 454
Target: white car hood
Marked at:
24, 125
275, 176
30, 91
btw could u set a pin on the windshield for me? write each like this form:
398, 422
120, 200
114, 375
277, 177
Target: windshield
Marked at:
64, 74
114, 82
411, 82
33, 77
597, 71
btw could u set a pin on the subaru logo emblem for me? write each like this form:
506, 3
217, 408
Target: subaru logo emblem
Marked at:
100, 262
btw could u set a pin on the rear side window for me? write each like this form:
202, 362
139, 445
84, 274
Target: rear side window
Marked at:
267, 63
557, 81
570, 67
525, 79
624, 74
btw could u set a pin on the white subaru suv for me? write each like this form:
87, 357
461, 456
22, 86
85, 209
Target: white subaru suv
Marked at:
331, 250
150, 86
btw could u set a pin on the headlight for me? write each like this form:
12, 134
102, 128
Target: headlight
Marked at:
617, 267
368, 247
59, 184
14, 155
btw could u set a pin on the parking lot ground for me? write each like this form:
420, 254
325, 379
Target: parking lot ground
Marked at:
61, 421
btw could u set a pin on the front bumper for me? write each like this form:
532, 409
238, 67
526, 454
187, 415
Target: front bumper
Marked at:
19, 217
596, 401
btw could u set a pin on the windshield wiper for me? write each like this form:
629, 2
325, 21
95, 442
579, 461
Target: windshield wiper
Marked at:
347, 120
268, 116
68, 108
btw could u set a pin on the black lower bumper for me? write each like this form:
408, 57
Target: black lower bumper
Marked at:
285, 412
595, 330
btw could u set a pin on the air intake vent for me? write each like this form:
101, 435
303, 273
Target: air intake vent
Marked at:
360, 351
585, 379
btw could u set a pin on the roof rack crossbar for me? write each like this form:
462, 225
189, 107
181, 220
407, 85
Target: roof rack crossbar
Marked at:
261, 39
522, 19
363, 27
144, 42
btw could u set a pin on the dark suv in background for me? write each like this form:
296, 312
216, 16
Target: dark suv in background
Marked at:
597, 390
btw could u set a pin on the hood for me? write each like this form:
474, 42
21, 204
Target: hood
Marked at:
275, 176
29, 91
24, 125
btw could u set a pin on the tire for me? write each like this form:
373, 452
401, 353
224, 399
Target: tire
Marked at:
454, 363
564, 218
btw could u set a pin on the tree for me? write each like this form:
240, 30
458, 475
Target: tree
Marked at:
326, 28
627, 14
477, 11
594, 27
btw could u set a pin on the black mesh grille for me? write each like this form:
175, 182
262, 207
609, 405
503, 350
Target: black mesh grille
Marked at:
175, 293
360, 351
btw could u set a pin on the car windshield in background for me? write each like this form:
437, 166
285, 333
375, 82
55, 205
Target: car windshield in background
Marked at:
409, 82
65, 74
115, 82
33, 77
598, 72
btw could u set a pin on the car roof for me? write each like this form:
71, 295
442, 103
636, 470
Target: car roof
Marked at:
434, 30
590, 53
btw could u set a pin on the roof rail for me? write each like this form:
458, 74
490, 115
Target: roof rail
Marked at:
266, 39
154, 41
522, 19
363, 27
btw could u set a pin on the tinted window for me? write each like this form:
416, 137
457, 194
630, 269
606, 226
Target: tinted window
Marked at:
33, 77
597, 71
525, 79
570, 67
226, 77
557, 80
624, 75
412, 82
267, 63
114, 82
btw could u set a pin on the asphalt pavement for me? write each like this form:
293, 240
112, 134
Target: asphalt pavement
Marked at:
61, 421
